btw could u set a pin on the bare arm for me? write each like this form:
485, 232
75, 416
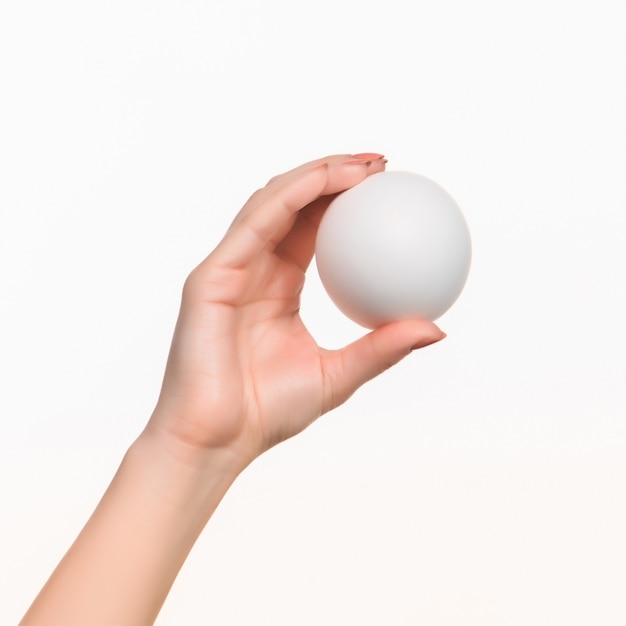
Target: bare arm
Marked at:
243, 375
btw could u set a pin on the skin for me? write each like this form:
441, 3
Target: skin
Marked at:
243, 375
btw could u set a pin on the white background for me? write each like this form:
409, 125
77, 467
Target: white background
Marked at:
480, 482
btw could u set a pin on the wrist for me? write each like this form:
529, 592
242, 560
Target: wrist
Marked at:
179, 465
171, 455
201, 438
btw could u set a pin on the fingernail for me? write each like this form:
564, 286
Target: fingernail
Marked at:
428, 342
367, 156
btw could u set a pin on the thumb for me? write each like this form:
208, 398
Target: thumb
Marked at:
345, 370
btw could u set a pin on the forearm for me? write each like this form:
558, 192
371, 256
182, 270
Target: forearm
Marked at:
122, 565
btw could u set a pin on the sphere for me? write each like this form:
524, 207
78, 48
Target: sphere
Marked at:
393, 247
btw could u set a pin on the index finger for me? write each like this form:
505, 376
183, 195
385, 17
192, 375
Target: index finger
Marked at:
334, 159
281, 179
271, 217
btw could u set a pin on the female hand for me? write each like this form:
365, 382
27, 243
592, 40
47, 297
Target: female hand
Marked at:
243, 372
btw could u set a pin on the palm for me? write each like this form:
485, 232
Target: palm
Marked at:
282, 368
258, 374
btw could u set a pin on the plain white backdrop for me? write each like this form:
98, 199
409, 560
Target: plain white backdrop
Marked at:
480, 482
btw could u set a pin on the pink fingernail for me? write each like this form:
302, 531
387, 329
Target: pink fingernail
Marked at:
367, 156
428, 342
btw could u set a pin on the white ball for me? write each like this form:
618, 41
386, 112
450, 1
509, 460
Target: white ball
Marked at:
393, 247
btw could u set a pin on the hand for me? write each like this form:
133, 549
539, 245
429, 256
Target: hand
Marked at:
242, 375
243, 372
